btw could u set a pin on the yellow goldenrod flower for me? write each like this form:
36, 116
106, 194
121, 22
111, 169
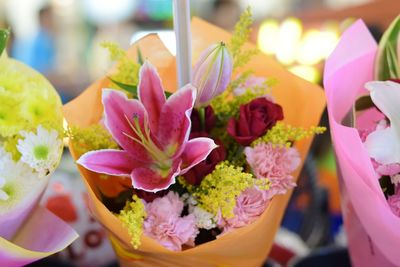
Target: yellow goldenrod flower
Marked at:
132, 217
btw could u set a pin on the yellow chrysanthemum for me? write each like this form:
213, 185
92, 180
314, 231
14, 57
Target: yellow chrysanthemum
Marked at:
27, 101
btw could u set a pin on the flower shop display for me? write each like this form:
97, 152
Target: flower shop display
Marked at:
31, 146
198, 175
363, 93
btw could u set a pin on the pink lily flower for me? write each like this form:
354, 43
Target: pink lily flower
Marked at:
153, 133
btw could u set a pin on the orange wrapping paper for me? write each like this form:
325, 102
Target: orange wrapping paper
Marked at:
302, 103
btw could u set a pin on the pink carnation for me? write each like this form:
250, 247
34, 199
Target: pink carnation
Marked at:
167, 206
394, 204
164, 224
249, 206
388, 169
275, 163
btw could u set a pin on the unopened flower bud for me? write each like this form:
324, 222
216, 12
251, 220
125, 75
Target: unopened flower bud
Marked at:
212, 73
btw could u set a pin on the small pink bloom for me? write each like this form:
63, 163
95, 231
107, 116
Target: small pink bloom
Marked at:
394, 204
388, 169
167, 206
275, 163
164, 224
249, 206
153, 133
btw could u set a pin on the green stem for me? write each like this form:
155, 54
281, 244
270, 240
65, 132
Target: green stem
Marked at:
202, 115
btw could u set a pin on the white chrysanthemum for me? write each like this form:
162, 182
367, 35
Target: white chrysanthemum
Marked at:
9, 169
204, 219
41, 151
18, 183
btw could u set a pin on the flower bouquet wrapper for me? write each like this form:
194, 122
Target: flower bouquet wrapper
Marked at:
372, 228
41, 235
303, 103
30, 150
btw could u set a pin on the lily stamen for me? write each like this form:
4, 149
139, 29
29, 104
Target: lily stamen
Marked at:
145, 140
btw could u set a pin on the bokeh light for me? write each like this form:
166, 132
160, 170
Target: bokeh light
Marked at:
267, 36
288, 40
309, 73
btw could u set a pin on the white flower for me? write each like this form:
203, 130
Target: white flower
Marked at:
395, 179
41, 151
383, 145
18, 183
9, 169
189, 200
204, 219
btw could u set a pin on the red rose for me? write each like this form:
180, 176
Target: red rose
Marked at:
209, 120
196, 174
255, 118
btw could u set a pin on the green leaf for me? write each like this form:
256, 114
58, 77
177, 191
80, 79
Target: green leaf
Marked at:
140, 56
4, 34
167, 94
127, 87
387, 60
132, 88
392, 63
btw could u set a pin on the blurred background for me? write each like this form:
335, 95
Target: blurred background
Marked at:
61, 39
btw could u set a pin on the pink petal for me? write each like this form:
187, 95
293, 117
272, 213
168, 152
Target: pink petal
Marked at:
174, 126
151, 94
150, 179
196, 150
108, 161
117, 109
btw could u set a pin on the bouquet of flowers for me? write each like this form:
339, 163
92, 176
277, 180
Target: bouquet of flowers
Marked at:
31, 145
200, 176
361, 81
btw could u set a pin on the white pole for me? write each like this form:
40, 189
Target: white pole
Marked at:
181, 13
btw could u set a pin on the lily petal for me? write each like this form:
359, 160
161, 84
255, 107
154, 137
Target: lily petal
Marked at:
196, 150
386, 96
151, 94
384, 145
118, 109
108, 161
151, 180
174, 125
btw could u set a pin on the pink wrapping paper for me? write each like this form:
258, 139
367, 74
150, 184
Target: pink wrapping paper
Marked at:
42, 235
373, 230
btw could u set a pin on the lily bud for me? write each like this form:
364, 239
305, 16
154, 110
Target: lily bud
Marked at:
212, 73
